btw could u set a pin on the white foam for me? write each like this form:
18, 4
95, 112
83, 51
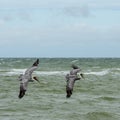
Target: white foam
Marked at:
100, 73
74, 61
52, 72
11, 72
18, 70
21, 71
117, 69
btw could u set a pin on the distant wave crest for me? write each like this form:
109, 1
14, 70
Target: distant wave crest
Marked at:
99, 73
97, 115
10, 72
21, 71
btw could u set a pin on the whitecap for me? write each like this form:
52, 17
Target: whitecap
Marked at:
21, 71
74, 61
116, 69
18, 70
100, 73
51, 72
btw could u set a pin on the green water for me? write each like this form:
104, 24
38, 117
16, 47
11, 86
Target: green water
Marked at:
95, 98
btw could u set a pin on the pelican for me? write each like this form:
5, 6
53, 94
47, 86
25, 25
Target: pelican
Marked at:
26, 77
71, 78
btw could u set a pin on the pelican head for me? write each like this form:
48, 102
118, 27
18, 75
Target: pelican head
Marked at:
74, 66
82, 75
35, 78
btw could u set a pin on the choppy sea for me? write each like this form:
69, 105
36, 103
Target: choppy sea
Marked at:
96, 97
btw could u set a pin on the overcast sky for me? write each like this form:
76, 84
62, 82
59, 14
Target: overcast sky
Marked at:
60, 28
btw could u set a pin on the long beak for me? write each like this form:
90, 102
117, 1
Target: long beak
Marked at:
38, 81
35, 78
82, 75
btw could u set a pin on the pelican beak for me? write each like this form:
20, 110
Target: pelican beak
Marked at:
82, 75
35, 78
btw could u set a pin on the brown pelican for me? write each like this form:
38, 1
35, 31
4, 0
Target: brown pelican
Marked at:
71, 78
26, 77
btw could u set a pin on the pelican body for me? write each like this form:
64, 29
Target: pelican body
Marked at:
26, 77
71, 78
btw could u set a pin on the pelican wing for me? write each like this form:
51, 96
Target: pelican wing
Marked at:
74, 71
29, 71
23, 88
26, 77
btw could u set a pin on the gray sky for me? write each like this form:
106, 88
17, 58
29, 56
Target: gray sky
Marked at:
60, 28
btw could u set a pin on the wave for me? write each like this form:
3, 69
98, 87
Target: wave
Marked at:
99, 73
21, 71
74, 61
108, 98
52, 73
99, 115
104, 71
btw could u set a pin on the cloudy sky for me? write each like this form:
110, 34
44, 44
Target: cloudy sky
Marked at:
60, 28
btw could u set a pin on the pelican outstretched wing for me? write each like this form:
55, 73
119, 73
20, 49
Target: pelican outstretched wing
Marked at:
22, 90
29, 71
26, 77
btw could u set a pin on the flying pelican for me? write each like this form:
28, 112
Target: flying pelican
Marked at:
26, 77
71, 78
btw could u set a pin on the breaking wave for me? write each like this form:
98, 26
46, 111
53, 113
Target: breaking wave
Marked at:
21, 71
99, 115
99, 73
10, 72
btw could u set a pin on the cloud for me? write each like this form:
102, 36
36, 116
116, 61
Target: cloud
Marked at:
14, 4
2, 22
82, 11
24, 15
14, 15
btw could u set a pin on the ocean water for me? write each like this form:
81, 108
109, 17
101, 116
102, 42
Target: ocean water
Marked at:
97, 97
